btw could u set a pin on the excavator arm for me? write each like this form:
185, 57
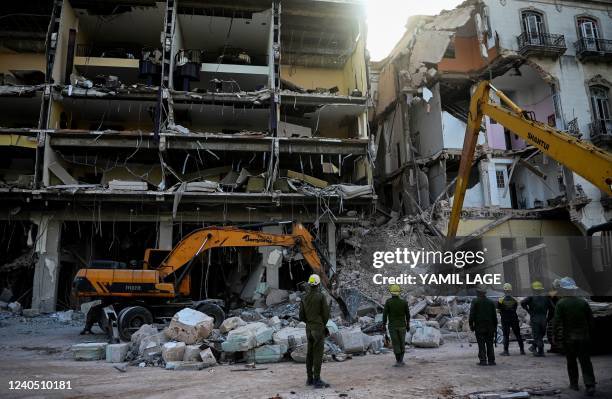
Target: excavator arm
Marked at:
590, 162
175, 268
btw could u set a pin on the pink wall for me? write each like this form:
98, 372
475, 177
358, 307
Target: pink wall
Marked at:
495, 133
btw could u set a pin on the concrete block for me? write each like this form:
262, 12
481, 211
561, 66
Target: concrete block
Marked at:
145, 330
290, 337
299, 354
231, 323
173, 351
265, 354
181, 365
190, 326
275, 323
332, 327
208, 358
276, 296
350, 340
192, 353
115, 353
89, 351
30, 312
373, 342
246, 337
426, 337
151, 346
15, 307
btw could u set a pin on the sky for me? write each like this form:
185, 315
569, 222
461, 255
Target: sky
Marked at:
386, 20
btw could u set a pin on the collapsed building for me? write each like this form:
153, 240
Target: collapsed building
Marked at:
551, 58
128, 124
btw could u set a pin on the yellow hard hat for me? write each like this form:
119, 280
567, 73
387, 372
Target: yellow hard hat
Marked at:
314, 280
536, 285
507, 287
395, 289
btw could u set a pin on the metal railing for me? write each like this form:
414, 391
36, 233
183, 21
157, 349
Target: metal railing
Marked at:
543, 41
586, 45
108, 51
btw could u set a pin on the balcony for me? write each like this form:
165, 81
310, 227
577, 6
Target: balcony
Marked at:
543, 45
601, 132
593, 50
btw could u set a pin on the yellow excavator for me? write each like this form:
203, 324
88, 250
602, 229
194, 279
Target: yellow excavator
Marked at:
162, 286
590, 162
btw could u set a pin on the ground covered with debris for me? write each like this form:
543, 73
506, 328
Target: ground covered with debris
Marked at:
42, 348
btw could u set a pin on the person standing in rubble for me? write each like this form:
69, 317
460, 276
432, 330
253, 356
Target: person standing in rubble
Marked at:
483, 321
507, 306
554, 298
314, 311
573, 326
397, 312
540, 310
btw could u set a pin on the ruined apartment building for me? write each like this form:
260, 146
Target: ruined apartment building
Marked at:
552, 58
127, 124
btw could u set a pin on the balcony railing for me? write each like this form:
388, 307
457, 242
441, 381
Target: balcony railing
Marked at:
543, 44
601, 132
593, 49
105, 51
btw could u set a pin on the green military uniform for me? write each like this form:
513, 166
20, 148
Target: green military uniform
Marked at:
507, 306
396, 311
314, 311
483, 321
573, 324
540, 309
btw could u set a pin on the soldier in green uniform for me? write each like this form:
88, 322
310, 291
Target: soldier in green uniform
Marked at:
314, 311
573, 325
483, 321
540, 309
396, 311
507, 306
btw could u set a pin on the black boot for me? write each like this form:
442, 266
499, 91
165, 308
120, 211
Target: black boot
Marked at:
590, 390
309, 381
400, 361
319, 383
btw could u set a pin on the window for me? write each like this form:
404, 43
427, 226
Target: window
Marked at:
500, 178
450, 50
589, 32
600, 103
602, 120
533, 26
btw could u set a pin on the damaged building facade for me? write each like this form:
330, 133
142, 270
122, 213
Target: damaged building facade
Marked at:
552, 58
128, 124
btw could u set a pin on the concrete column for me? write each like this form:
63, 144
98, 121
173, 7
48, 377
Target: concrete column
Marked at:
164, 237
272, 258
46, 272
485, 182
331, 244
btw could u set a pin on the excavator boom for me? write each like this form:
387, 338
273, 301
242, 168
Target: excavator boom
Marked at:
587, 160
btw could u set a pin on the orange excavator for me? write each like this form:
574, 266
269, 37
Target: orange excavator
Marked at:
163, 285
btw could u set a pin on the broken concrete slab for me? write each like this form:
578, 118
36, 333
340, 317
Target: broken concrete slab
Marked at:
276, 296
350, 340
146, 330
190, 326
426, 337
89, 351
151, 346
173, 351
192, 353
231, 323
265, 354
115, 353
313, 181
208, 358
131, 185
181, 365
275, 323
247, 337
290, 337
